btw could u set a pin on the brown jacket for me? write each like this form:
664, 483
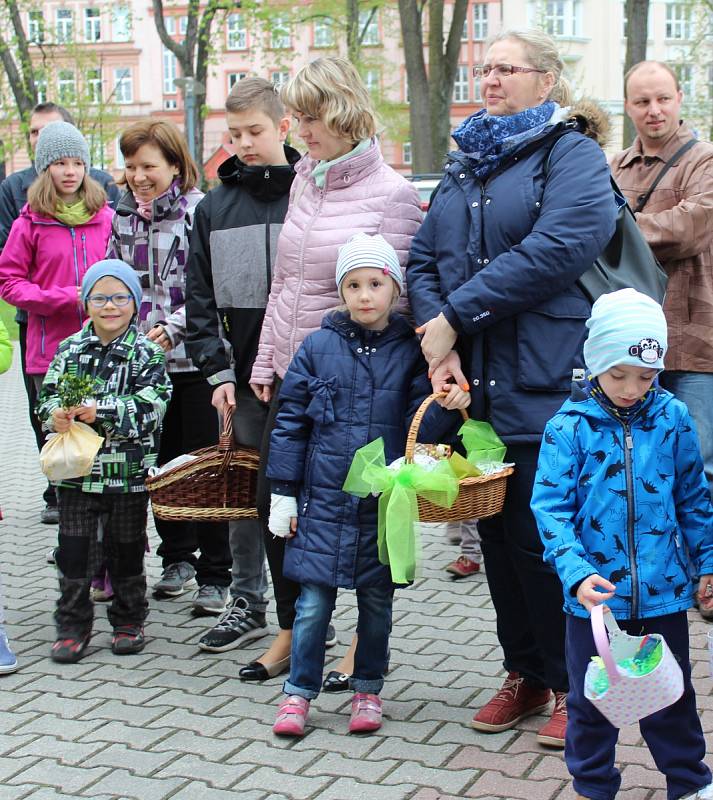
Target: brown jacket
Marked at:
677, 222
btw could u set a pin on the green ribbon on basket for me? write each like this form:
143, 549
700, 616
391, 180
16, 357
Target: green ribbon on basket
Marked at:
481, 443
397, 533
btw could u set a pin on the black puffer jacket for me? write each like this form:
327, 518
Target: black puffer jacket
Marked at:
233, 247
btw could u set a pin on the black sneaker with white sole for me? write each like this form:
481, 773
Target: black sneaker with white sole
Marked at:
237, 624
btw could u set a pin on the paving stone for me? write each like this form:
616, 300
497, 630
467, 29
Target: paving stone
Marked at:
140, 762
429, 754
495, 784
181, 741
295, 787
71, 753
450, 781
133, 786
218, 775
51, 773
199, 791
474, 758
372, 767
347, 789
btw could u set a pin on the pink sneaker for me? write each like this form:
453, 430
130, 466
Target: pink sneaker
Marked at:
291, 716
366, 713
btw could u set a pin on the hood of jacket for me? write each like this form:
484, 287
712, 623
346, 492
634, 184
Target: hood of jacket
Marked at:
266, 182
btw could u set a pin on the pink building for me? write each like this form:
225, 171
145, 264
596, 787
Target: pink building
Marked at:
130, 65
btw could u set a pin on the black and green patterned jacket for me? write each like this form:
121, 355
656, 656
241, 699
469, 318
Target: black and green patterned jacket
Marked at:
133, 390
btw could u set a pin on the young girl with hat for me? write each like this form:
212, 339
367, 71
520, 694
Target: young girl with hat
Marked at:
623, 509
358, 378
62, 230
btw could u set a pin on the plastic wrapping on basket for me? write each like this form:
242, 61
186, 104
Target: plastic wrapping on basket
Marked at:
629, 698
397, 533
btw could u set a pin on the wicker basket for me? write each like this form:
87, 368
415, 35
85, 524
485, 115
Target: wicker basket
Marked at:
218, 486
478, 497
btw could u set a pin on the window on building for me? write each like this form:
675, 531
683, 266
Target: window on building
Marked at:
92, 25
709, 74
324, 32
279, 77
170, 25
120, 24
182, 25
64, 25
170, 104
94, 85
464, 32
678, 21
234, 77
625, 22
36, 27
237, 33
407, 92
66, 87
372, 81
480, 21
123, 85
119, 162
280, 33
460, 85
686, 79
96, 149
559, 17
41, 86
406, 153
369, 26
170, 67
477, 96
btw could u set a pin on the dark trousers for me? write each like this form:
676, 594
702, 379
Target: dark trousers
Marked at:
49, 494
286, 591
526, 592
673, 735
190, 423
96, 529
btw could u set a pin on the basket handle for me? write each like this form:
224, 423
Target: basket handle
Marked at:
225, 440
416, 423
600, 625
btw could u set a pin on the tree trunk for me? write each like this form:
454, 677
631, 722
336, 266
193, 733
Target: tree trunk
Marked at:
419, 103
637, 16
353, 40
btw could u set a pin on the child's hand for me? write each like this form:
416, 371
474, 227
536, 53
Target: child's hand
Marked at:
457, 397
86, 413
283, 516
158, 334
61, 420
705, 591
587, 594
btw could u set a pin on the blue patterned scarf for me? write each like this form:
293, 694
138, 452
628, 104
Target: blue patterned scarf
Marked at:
488, 140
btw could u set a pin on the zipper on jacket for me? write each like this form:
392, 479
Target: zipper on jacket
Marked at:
268, 264
77, 281
42, 335
86, 265
630, 517
166, 268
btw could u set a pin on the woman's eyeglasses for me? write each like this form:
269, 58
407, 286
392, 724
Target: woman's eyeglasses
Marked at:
100, 300
504, 70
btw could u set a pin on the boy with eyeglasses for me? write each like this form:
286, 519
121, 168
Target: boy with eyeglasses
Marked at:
102, 515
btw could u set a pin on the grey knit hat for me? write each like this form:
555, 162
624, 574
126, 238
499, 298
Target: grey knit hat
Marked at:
60, 140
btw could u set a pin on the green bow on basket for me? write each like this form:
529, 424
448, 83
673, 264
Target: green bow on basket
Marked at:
397, 535
482, 444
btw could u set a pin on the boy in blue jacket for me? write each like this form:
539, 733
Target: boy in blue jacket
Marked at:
622, 506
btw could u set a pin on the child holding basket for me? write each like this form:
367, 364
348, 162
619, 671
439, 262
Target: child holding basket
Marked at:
624, 513
360, 377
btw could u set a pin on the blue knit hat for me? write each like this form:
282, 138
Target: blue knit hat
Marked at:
60, 140
375, 252
112, 268
626, 327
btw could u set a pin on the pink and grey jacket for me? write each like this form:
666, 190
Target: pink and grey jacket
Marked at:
360, 194
41, 267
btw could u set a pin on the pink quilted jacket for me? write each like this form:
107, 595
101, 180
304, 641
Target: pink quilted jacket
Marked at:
361, 194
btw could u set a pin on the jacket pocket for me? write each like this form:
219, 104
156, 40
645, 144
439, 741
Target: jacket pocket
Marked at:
549, 343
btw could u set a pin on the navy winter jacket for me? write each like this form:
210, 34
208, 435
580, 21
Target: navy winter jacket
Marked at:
629, 502
500, 259
345, 387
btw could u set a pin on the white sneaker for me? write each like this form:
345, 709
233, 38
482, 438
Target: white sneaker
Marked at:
706, 793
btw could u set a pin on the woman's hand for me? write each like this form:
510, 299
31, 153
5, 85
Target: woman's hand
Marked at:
446, 372
588, 595
158, 334
438, 340
263, 393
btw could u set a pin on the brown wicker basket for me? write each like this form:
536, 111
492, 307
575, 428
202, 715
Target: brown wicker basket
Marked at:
220, 485
478, 497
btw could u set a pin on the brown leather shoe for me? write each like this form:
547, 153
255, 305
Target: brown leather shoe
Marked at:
515, 701
552, 733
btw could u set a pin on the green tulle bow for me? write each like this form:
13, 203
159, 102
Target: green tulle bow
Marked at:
481, 442
397, 533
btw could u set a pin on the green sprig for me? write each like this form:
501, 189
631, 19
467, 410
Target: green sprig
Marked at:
73, 390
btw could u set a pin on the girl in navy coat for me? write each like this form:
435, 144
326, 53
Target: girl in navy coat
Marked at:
360, 377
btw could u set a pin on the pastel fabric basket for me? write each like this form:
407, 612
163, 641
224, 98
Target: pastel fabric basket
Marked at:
630, 698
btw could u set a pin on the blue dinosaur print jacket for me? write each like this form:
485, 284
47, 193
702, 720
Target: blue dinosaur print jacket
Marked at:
628, 501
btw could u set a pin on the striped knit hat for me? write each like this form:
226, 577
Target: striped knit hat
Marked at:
363, 250
626, 327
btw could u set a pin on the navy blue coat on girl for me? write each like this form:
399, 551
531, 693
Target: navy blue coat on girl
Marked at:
345, 387
628, 501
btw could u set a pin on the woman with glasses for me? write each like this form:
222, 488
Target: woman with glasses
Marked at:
524, 208
150, 232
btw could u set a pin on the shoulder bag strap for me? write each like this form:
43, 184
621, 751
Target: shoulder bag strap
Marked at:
643, 199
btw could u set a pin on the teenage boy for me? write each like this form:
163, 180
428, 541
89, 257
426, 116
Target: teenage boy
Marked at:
229, 271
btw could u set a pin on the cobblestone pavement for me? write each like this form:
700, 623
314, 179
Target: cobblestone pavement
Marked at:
173, 722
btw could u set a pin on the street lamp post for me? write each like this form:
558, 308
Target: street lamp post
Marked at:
191, 88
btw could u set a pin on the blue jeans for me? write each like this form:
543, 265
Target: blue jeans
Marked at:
314, 610
695, 389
